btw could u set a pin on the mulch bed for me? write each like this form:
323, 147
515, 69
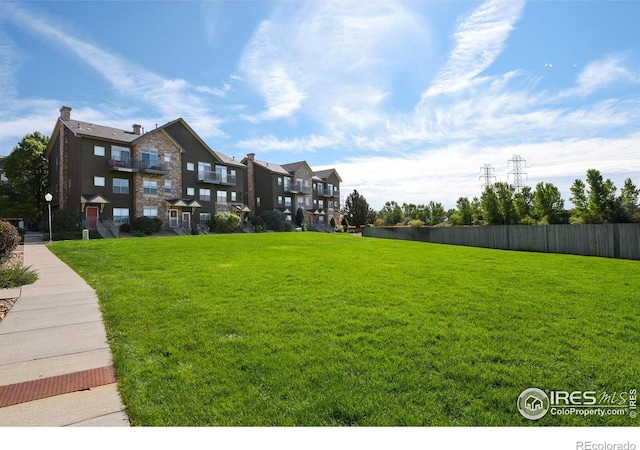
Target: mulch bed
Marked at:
17, 257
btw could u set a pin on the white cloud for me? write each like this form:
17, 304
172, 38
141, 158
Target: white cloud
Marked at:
172, 97
602, 73
444, 174
323, 59
479, 39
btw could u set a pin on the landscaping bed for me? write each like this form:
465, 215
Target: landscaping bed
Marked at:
17, 258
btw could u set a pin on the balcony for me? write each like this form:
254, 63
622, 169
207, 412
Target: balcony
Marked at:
154, 167
207, 176
124, 165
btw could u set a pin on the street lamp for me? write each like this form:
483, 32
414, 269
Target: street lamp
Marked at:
48, 197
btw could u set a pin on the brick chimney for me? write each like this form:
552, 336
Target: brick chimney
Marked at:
251, 184
136, 128
65, 113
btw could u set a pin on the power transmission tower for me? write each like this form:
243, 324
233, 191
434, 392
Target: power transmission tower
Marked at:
486, 175
517, 162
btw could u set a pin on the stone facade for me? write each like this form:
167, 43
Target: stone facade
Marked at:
165, 146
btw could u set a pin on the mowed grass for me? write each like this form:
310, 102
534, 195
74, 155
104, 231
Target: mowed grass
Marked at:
317, 329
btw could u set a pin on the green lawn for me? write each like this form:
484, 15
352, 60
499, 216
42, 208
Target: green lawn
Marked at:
319, 329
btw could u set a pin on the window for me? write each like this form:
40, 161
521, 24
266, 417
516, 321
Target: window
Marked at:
98, 150
233, 196
149, 158
120, 153
329, 189
205, 194
258, 202
279, 199
221, 196
190, 167
120, 215
150, 212
300, 202
120, 186
98, 181
205, 217
191, 192
307, 201
167, 161
287, 184
167, 187
150, 187
287, 201
221, 173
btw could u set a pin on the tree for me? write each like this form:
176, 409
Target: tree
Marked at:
27, 170
506, 204
299, 217
548, 204
437, 213
491, 211
357, 210
628, 201
523, 201
579, 200
391, 213
464, 214
597, 204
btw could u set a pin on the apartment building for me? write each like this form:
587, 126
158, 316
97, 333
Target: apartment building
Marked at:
110, 176
293, 186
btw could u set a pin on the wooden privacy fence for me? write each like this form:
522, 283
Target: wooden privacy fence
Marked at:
611, 240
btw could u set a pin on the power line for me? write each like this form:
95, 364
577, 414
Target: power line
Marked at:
517, 171
487, 177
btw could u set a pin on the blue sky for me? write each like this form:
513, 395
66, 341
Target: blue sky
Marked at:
407, 100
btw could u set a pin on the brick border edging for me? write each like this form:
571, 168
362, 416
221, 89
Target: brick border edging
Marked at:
62, 384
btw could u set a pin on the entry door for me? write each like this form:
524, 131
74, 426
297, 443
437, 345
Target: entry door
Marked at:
173, 218
92, 217
186, 219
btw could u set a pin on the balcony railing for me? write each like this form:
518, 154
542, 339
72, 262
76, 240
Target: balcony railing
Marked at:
154, 167
207, 176
124, 165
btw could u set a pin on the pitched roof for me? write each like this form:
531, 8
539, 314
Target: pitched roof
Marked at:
326, 173
80, 128
275, 168
221, 156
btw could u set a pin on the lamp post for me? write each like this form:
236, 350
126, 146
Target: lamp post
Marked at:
48, 197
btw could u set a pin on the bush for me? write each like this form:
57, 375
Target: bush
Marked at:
125, 228
415, 223
378, 223
14, 275
257, 222
146, 225
273, 220
9, 239
64, 220
226, 222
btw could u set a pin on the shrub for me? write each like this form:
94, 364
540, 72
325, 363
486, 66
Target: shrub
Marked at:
64, 220
257, 222
332, 222
125, 228
378, 223
9, 239
137, 233
226, 222
273, 220
15, 275
146, 225
415, 223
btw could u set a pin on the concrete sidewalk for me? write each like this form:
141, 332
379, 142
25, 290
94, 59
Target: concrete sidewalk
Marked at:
55, 363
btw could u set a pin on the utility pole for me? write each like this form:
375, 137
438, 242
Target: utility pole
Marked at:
487, 177
517, 162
